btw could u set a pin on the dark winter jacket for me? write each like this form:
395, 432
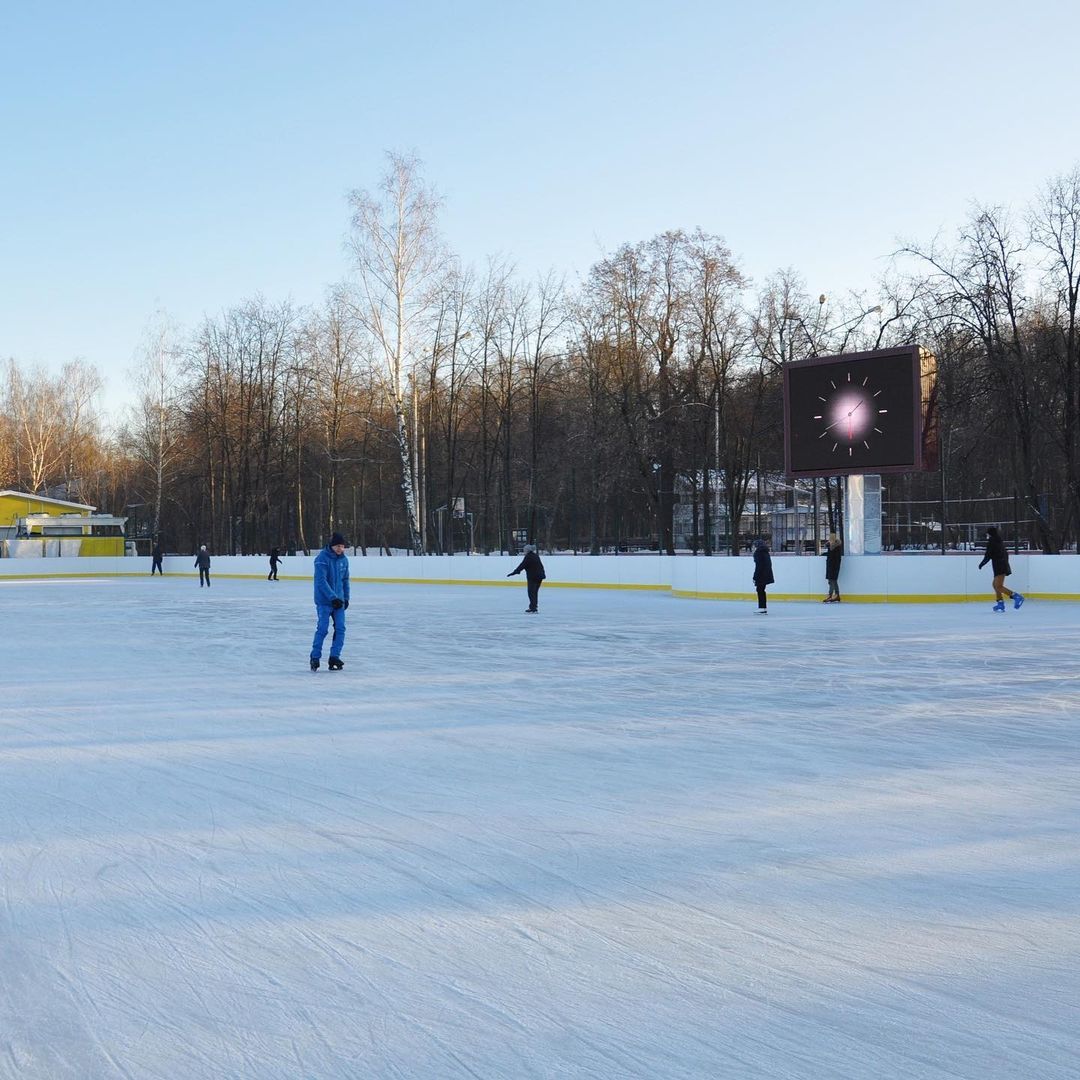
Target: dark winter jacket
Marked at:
157, 553
996, 554
533, 567
763, 574
331, 578
275, 558
202, 560
832, 562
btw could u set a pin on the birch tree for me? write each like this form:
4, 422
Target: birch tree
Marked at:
52, 419
398, 260
154, 431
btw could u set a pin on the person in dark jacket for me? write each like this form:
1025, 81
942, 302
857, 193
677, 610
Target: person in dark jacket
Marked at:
331, 601
156, 556
763, 575
998, 558
202, 561
534, 575
834, 552
275, 558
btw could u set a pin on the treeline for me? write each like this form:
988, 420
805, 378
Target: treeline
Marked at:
438, 408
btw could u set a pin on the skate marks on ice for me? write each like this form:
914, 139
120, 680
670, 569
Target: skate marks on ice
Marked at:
684, 847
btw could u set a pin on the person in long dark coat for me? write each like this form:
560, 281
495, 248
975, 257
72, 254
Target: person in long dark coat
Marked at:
202, 561
156, 556
998, 558
763, 575
833, 554
275, 558
534, 576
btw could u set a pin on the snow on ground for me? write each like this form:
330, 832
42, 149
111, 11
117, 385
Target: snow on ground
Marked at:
633, 836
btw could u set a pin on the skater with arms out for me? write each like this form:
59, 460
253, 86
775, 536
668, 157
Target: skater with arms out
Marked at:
534, 576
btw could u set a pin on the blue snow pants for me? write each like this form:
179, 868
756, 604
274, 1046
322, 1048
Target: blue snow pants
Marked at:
325, 614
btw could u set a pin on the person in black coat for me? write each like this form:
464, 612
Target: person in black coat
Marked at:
275, 558
202, 561
834, 552
763, 575
998, 558
156, 556
534, 575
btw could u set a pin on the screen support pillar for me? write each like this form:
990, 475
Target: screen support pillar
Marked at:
862, 515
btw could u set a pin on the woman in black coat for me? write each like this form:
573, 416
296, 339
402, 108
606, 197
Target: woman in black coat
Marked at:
763, 575
998, 558
534, 576
833, 554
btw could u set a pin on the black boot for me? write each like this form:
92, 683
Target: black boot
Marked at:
314, 663
335, 663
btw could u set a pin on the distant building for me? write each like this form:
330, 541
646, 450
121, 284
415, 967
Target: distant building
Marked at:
35, 526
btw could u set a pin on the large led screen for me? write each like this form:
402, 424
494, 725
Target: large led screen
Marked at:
866, 412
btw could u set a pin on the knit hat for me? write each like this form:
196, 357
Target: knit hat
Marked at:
336, 539
529, 548
759, 543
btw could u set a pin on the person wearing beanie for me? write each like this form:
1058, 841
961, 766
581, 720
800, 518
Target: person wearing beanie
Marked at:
998, 558
763, 575
534, 576
202, 561
331, 601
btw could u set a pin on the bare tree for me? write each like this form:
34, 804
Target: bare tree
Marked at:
154, 431
981, 286
1055, 229
54, 422
398, 259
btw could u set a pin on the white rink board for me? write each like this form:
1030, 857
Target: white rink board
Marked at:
899, 578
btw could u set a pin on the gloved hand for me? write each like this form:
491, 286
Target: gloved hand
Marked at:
511, 574
335, 603
346, 605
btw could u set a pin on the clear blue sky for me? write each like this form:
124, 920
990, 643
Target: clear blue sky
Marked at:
185, 157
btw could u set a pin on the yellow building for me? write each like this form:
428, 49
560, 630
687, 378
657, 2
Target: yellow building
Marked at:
36, 525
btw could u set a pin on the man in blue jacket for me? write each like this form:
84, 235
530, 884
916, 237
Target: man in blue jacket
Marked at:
331, 601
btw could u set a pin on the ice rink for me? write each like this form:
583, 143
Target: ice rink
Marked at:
633, 836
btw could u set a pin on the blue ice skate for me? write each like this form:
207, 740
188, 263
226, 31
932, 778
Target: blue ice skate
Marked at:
1017, 601
1000, 605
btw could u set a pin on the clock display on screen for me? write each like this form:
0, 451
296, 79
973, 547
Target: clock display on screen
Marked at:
851, 415
854, 414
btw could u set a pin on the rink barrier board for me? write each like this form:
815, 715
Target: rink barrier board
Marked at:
863, 579
680, 594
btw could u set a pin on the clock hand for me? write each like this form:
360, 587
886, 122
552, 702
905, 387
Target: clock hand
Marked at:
850, 422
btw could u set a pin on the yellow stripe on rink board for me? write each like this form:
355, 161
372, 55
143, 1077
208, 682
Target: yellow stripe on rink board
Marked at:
682, 594
873, 598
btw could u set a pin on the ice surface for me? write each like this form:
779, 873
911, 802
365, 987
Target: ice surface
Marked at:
633, 836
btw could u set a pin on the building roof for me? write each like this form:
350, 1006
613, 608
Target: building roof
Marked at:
46, 499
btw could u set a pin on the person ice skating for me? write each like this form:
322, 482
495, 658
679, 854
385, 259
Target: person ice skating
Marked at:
998, 558
534, 575
331, 601
156, 556
202, 561
834, 553
763, 575
275, 558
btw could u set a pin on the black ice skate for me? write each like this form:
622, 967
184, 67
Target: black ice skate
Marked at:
335, 663
314, 663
